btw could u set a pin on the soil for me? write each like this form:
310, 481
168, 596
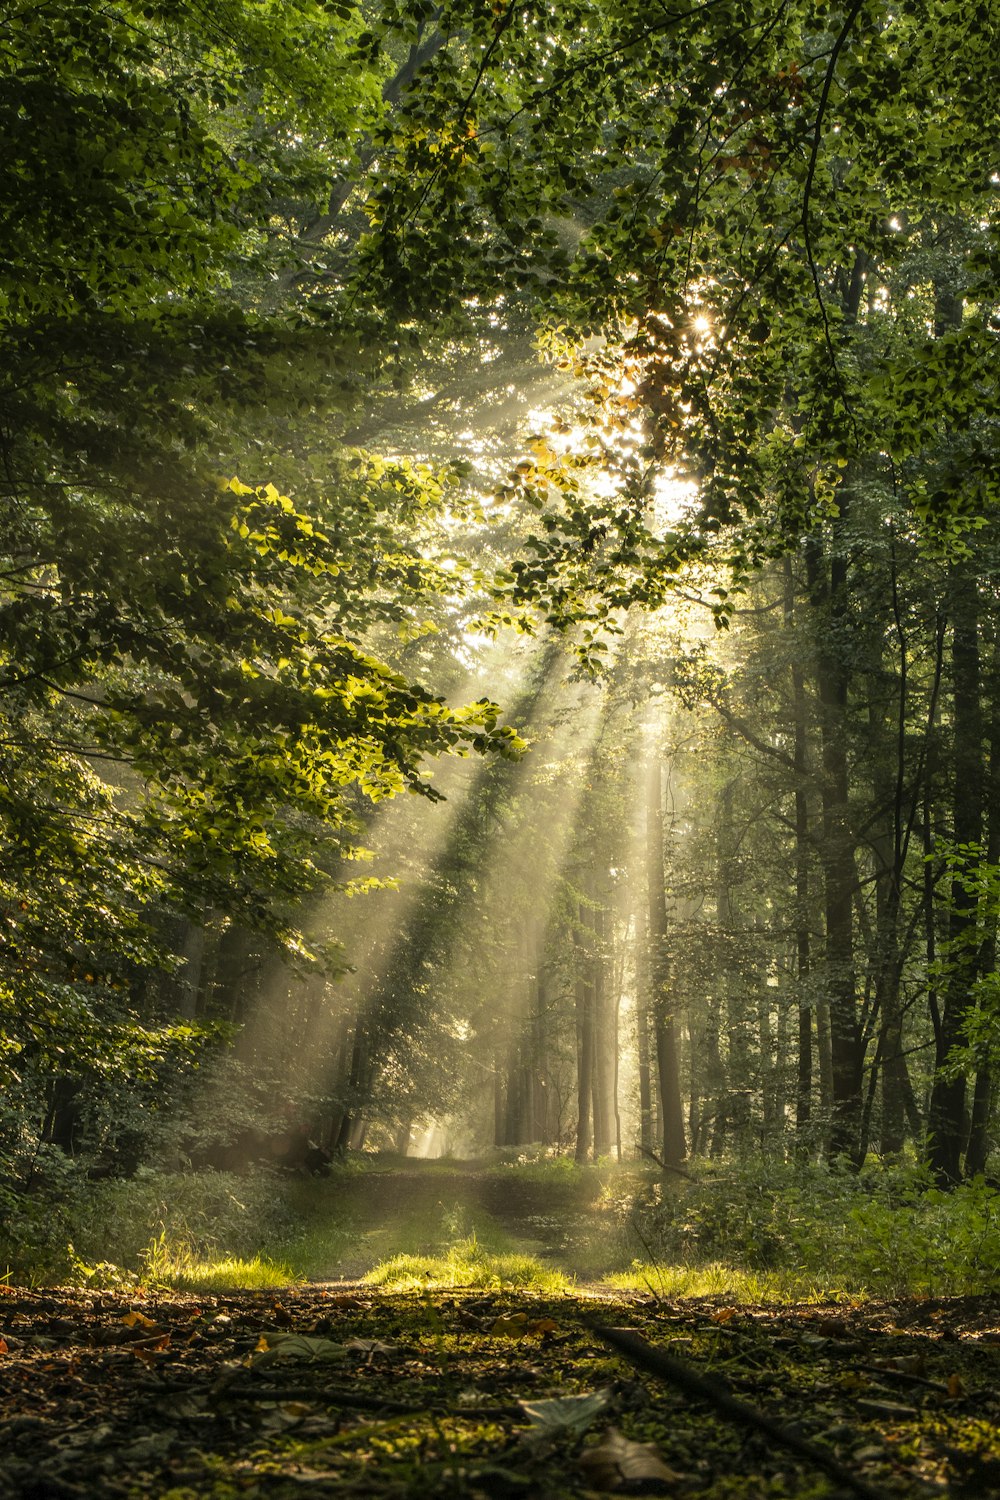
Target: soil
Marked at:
343, 1390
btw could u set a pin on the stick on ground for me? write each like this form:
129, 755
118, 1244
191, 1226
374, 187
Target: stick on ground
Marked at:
704, 1388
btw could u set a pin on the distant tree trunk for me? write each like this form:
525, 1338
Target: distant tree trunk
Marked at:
667, 1062
499, 1112
982, 1099
603, 1040
800, 752
642, 1031
542, 1124
352, 1125
584, 1043
188, 979
829, 588
768, 1090
946, 1121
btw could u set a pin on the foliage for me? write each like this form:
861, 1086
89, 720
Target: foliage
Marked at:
192, 716
140, 1228
819, 1231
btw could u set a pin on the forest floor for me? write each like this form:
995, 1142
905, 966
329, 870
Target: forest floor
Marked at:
349, 1388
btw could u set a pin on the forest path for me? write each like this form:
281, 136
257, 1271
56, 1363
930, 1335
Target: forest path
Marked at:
358, 1392
426, 1208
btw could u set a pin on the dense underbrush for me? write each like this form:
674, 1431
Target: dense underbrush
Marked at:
808, 1230
755, 1230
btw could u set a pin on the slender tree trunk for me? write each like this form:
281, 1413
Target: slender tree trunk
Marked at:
982, 1099
829, 587
946, 1122
804, 1069
642, 1031
584, 1044
602, 1034
667, 1061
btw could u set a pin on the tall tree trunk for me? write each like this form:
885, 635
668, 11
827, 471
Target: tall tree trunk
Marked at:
829, 588
642, 989
602, 1034
982, 1099
584, 1042
667, 1061
800, 751
946, 1122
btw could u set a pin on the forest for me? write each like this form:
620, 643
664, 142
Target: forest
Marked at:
499, 747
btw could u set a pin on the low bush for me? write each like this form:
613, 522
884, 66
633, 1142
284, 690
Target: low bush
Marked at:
886, 1231
115, 1225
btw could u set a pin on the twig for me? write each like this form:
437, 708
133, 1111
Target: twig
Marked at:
704, 1388
905, 1377
664, 1166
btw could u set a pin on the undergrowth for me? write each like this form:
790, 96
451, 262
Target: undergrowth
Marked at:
813, 1230
749, 1231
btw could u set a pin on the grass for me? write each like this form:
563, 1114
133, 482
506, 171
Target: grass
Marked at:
746, 1231
467, 1263
231, 1274
733, 1283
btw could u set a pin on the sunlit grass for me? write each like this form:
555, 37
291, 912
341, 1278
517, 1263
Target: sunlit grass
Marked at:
716, 1279
178, 1264
466, 1264
233, 1274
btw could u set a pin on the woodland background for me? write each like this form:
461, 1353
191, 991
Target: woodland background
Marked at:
582, 417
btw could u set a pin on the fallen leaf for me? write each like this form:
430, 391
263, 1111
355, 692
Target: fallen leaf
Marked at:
271, 1346
565, 1413
617, 1463
371, 1346
907, 1364
3, 1346
723, 1315
513, 1327
148, 1349
539, 1327
138, 1320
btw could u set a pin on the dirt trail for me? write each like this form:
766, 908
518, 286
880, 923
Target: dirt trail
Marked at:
424, 1206
355, 1393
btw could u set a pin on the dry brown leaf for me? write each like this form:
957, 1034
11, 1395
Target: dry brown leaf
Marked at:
138, 1320
617, 1463
513, 1327
723, 1315
539, 1327
148, 1349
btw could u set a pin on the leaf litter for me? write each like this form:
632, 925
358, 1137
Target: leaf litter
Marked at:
349, 1391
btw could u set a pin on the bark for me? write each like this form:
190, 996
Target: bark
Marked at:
982, 1099
829, 582
602, 1036
584, 1045
674, 1147
642, 1030
946, 1122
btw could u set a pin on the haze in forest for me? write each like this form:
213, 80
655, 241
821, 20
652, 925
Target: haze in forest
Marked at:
499, 639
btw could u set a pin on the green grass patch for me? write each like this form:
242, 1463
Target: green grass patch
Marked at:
230, 1274
467, 1264
732, 1283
